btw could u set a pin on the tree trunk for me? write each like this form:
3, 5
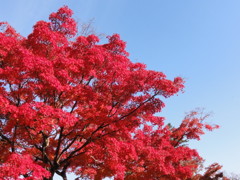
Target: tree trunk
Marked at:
64, 176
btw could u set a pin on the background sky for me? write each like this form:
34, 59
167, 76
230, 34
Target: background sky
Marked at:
197, 40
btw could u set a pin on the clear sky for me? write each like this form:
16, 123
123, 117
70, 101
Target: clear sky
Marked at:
198, 40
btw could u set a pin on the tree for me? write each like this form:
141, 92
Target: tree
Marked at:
70, 104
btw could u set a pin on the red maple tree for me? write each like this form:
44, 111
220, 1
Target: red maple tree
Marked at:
71, 104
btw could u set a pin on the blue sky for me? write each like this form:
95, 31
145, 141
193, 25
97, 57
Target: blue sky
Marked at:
197, 40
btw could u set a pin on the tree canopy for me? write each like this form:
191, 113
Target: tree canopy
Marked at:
71, 104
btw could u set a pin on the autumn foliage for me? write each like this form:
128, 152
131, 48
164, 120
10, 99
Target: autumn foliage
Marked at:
71, 104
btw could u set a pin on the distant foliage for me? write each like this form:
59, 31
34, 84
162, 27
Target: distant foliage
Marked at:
71, 104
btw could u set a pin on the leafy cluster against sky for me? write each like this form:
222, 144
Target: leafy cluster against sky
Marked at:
71, 104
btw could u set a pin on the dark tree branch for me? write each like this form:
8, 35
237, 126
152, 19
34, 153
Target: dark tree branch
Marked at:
5, 138
55, 161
